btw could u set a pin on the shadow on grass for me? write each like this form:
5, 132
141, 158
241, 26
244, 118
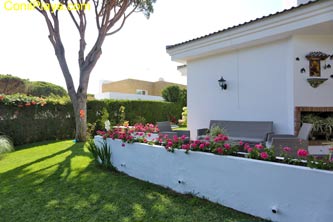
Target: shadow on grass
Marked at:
67, 186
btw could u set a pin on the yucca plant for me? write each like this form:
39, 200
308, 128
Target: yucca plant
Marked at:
102, 153
6, 144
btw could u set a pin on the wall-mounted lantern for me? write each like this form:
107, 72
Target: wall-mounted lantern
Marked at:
222, 83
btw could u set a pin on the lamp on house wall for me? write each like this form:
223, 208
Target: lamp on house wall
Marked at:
222, 83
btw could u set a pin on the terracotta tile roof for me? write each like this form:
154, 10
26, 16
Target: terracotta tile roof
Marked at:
245, 23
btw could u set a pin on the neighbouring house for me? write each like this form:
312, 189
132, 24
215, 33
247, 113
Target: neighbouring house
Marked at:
276, 68
133, 89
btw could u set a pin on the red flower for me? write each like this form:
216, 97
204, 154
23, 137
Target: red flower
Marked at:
33, 103
28, 104
219, 150
286, 149
202, 146
264, 155
227, 146
186, 146
302, 153
1, 98
183, 137
259, 146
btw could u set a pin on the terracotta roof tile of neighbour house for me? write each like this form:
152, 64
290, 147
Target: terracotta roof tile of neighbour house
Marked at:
245, 23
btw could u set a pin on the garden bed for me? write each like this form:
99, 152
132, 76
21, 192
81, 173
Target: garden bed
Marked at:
279, 192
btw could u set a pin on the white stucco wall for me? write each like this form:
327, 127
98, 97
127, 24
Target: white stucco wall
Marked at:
305, 95
251, 186
126, 96
257, 80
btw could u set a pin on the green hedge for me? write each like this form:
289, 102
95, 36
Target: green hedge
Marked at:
55, 121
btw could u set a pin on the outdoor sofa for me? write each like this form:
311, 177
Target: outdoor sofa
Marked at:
246, 131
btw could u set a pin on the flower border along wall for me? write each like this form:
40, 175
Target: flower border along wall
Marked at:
279, 192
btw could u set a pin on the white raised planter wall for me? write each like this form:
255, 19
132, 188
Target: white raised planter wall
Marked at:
251, 186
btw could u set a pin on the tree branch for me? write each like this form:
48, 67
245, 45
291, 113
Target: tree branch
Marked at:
123, 22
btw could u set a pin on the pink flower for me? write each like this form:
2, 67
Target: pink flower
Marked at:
259, 146
249, 149
197, 142
227, 146
241, 143
207, 138
224, 138
302, 153
202, 146
149, 134
264, 155
219, 150
246, 146
186, 146
183, 137
193, 145
287, 149
169, 144
331, 149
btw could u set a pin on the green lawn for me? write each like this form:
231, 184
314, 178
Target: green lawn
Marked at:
58, 181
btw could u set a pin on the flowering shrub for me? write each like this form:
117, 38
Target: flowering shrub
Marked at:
21, 100
219, 145
148, 128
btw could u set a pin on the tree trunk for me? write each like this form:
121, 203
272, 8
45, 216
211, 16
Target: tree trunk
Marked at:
80, 110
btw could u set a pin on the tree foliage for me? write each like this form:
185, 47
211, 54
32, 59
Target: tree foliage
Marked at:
171, 94
110, 17
175, 94
11, 84
45, 89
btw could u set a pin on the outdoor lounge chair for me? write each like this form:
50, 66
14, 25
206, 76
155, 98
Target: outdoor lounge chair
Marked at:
278, 141
165, 129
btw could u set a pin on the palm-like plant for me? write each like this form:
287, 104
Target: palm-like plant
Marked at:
6, 144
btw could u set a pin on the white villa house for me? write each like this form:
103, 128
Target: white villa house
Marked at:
275, 67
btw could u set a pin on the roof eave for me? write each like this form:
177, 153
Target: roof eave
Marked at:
271, 28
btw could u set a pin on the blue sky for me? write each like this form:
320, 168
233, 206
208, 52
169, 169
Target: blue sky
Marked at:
137, 51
